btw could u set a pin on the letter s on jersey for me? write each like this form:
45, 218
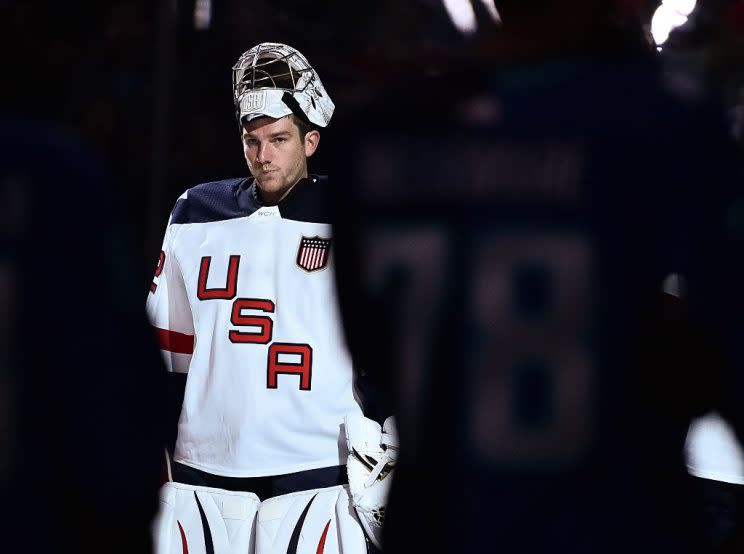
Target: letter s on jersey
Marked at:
296, 359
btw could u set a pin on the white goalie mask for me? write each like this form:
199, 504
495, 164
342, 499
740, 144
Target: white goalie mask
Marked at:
275, 80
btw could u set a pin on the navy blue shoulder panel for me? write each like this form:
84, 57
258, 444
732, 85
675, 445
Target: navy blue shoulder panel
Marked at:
231, 198
213, 201
308, 201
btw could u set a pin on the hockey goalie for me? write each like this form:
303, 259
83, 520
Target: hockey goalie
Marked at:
273, 452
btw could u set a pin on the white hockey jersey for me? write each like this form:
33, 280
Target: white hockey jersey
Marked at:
244, 301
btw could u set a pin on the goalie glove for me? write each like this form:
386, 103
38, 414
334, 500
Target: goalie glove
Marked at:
372, 454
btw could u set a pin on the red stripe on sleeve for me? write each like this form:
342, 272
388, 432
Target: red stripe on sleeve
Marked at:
175, 342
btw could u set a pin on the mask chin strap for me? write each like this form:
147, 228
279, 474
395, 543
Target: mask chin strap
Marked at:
294, 105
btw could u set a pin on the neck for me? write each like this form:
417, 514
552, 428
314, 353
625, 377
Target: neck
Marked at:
271, 200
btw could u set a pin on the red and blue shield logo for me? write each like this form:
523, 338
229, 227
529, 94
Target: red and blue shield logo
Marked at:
313, 253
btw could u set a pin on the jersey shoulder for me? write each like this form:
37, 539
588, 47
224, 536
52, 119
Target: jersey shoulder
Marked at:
207, 202
309, 201
232, 198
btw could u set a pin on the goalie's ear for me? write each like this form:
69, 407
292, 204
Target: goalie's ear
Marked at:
311, 142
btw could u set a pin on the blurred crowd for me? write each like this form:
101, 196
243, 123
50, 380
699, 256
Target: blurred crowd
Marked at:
147, 84
145, 87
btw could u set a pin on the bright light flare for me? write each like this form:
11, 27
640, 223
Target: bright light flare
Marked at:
202, 14
462, 14
684, 7
492, 11
668, 16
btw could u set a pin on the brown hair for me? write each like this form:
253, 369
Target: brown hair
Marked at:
303, 126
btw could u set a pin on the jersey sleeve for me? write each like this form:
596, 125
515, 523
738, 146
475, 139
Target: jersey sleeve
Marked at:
168, 308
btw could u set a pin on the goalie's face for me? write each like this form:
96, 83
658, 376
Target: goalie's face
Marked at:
277, 155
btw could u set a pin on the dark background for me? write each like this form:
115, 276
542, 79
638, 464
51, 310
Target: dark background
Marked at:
151, 94
144, 96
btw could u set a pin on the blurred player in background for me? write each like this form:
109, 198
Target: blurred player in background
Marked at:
701, 56
244, 303
504, 227
81, 380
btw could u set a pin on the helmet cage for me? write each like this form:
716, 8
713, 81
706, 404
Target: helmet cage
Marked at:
261, 67
275, 79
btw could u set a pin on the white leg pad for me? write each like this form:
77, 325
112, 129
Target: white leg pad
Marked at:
192, 517
310, 522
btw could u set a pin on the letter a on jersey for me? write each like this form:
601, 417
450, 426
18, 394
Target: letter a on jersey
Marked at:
313, 253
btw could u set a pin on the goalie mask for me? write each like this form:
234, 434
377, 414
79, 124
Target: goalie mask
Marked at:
275, 80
